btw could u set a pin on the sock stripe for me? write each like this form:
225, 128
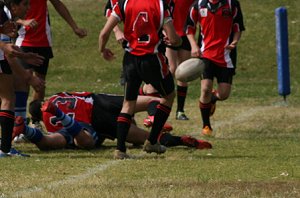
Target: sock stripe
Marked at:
70, 124
123, 119
179, 93
152, 101
20, 109
8, 115
164, 108
141, 92
204, 106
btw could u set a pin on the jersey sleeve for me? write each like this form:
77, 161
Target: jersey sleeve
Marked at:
167, 13
108, 9
238, 22
118, 10
192, 19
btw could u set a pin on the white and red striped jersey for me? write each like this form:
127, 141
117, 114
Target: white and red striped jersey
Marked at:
5, 15
143, 22
216, 24
40, 37
180, 13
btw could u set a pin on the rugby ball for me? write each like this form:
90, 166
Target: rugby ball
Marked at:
189, 70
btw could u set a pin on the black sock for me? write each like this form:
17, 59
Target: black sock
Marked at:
181, 96
160, 118
214, 99
151, 108
169, 140
124, 121
7, 119
205, 113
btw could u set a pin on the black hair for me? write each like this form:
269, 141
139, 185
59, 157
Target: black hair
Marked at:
35, 110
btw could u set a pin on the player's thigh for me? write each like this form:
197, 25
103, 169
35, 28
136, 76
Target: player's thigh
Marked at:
133, 78
52, 141
172, 59
7, 94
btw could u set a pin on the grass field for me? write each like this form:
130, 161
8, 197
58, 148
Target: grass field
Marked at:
256, 145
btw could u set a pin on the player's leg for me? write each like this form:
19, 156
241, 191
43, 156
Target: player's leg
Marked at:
136, 135
87, 137
149, 104
39, 95
133, 82
34, 135
170, 140
166, 88
6, 111
82, 137
205, 105
182, 87
224, 78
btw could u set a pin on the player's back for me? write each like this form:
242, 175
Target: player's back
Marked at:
143, 20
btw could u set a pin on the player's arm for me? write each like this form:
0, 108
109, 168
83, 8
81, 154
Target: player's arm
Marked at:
104, 35
26, 75
32, 23
119, 34
173, 38
191, 28
65, 14
235, 40
12, 50
9, 28
238, 25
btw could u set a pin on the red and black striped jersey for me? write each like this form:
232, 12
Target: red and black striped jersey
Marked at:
111, 3
217, 22
180, 13
78, 105
143, 22
109, 7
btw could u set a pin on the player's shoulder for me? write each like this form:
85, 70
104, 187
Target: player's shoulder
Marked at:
235, 3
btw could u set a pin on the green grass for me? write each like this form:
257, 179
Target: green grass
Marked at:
256, 143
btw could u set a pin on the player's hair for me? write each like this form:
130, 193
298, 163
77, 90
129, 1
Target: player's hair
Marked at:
35, 110
8, 3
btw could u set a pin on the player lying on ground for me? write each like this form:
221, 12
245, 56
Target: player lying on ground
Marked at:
84, 120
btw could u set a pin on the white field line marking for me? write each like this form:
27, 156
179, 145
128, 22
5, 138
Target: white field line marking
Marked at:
68, 180
241, 117
245, 115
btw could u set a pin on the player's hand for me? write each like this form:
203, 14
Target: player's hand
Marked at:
37, 83
9, 28
80, 32
232, 45
108, 54
195, 52
119, 36
12, 50
32, 58
32, 23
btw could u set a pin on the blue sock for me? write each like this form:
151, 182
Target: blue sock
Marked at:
33, 135
21, 104
71, 125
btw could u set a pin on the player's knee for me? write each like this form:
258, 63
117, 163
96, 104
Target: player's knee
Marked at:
87, 143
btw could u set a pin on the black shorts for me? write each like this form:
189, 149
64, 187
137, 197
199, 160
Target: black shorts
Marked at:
106, 109
185, 44
223, 74
46, 52
70, 139
152, 69
4, 67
